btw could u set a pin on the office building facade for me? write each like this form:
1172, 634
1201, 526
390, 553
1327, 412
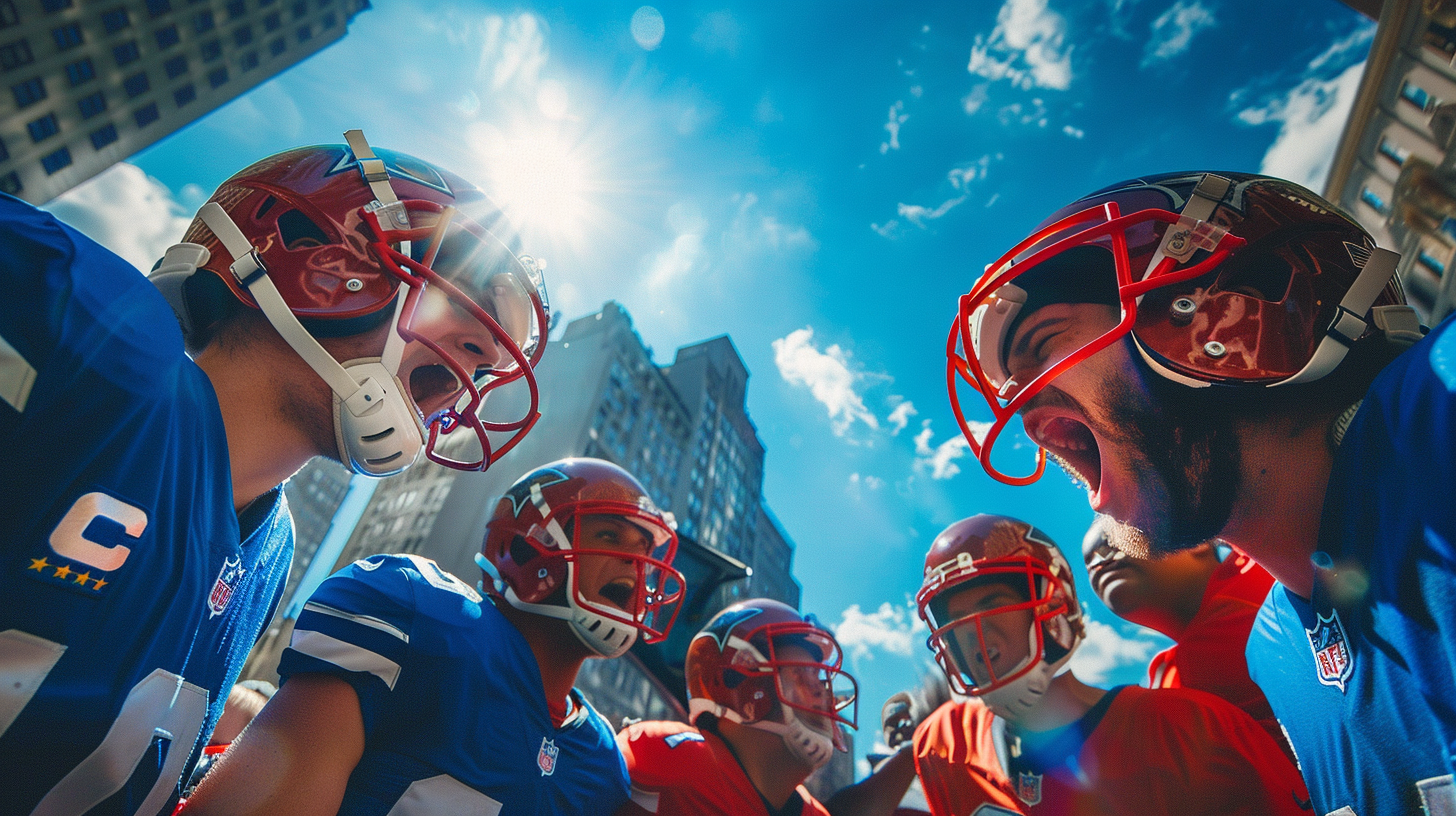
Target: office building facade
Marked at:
90, 83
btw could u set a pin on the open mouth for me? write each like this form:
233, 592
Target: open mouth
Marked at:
1073, 445
620, 592
433, 386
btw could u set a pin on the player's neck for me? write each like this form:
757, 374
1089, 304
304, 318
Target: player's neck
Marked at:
264, 448
1067, 699
559, 653
1276, 515
766, 761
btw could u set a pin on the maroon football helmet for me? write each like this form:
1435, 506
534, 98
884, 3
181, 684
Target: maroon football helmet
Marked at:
535, 542
762, 664
1221, 279
335, 240
997, 549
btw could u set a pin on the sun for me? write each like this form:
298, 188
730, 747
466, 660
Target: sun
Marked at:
540, 175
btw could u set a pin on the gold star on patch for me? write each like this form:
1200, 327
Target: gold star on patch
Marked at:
63, 571
82, 577
39, 564
100, 583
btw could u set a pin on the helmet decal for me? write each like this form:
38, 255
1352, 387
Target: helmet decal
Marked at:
398, 165
720, 628
520, 492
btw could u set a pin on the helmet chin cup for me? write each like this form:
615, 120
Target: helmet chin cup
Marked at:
1016, 699
807, 745
607, 638
178, 264
378, 432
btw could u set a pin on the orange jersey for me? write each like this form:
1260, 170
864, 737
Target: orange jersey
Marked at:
1209, 655
677, 769
1139, 752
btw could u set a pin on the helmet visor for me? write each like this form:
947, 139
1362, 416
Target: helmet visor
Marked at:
809, 675
622, 556
986, 630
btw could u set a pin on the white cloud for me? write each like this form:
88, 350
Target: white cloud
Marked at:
961, 177
890, 229
672, 264
973, 101
1105, 649
1027, 47
826, 374
918, 215
1173, 31
126, 211
871, 482
940, 460
893, 629
750, 226
1074, 132
1032, 113
897, 118
1311, 118
900, 417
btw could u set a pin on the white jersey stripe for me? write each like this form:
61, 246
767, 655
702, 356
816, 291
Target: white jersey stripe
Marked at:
16, 376
345, 655
363, 620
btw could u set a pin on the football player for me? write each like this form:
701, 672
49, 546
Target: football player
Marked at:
767, 698
336, 301
405, 691
1004, 620
1205, 598
1222, 354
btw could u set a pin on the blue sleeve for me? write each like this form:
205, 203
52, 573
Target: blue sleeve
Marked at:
356, 627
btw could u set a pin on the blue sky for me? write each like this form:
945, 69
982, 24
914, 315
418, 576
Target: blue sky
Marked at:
818, 180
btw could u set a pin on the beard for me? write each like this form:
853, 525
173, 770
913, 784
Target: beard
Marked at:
1184, 437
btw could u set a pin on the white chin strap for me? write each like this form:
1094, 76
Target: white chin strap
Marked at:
605, 637
378, 431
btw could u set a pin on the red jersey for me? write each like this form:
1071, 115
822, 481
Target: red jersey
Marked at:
1209, 656
1139, 752
677, 769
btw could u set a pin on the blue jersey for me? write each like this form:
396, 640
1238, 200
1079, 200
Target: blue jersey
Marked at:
1361, 675
455, 717
129, 595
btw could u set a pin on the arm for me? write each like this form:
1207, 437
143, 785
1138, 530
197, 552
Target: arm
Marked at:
296, 757
879, 793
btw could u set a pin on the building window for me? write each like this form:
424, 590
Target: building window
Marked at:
203, 23
157, 8
126, 53
272, 21
277, 47
49, 6
67, 36
115, 20
4, 151
217, 77
147, 115
1430, 262
101, 137
92, 104
211, 50
305, 33
1373, 199
8, 16
236, 9
184, 94
329, 20
167, 37
1393, 151
1416, 95
80, 71
249, 61
43, 128
13, 55
175, 67
55, 161
243, 35
300, 9
28, 92
136, 84
10, 183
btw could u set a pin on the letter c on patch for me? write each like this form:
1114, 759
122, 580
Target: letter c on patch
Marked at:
68, 539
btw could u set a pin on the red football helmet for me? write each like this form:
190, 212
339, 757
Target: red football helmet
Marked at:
762, 664
537, 542
972, 643
1221, 279
334, 240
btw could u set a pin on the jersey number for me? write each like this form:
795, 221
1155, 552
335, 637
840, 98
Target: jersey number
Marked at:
69, 540
162, 706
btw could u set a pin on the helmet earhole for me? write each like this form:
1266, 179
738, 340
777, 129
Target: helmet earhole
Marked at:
521, 550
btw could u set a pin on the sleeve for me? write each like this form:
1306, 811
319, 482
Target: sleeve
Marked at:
948, 760
633, 741
1198, 754
356, 627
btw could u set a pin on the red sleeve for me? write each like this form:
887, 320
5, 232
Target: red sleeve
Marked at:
1181, 751
955, 758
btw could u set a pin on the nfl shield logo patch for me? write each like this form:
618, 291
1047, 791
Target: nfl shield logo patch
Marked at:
1028, 787
227, 581
546, 759
1332, 660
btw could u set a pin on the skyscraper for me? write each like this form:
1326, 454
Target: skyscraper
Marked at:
91, 83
